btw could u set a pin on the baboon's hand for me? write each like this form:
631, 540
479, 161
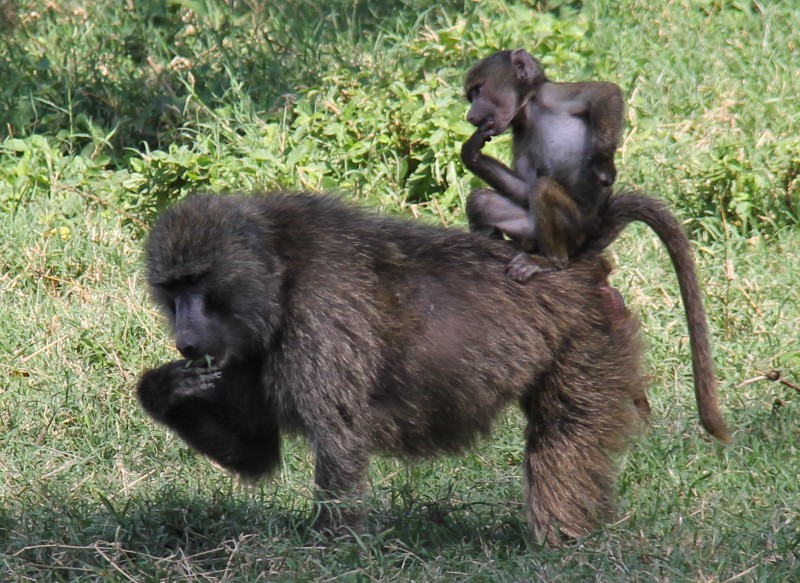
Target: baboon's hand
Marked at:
163, 388
471, 150
523, 266
200, 382
604, 169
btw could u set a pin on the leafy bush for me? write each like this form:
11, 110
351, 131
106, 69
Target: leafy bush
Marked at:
366, 98
386, 125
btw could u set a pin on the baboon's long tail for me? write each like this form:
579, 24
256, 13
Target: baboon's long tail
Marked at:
627, 207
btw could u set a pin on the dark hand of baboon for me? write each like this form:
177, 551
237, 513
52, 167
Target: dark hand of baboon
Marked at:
604, 169
471, 149
568, 132
182, 381
198, 382
368, 334
523, 266
210, 407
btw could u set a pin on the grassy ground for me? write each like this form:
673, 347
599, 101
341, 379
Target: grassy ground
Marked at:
103, 124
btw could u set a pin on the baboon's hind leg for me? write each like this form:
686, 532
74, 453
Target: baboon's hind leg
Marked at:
580, 416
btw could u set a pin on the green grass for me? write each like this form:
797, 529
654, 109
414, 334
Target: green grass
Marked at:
103, 125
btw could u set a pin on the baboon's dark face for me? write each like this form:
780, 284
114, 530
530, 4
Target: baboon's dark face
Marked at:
213, 280
492, 93
497, 88
200, 319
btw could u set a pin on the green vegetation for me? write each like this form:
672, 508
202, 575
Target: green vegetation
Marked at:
111, 110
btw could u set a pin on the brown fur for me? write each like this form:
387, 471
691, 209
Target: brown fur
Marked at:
565, 136
556, 200
374, 335
627, 207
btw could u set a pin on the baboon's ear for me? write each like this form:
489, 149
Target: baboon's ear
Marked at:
524, 65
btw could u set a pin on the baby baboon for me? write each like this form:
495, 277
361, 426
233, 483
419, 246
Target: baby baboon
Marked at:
565, 138
555, 198
370, 334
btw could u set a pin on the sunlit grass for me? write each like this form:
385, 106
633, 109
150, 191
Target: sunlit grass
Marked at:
370, 104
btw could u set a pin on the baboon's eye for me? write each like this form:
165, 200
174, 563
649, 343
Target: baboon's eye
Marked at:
473, 93
169, 286
172, 285
214, 302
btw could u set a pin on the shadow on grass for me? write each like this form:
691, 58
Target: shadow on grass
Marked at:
134, 76
170, 534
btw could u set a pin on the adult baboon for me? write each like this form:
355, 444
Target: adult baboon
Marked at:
371, 334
